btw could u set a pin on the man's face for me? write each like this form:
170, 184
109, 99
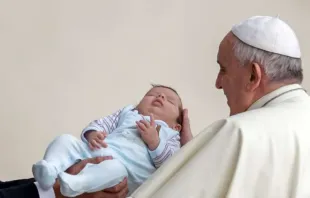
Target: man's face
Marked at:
232, 77
163, 103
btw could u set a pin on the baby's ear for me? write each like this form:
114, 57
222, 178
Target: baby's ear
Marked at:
177, 127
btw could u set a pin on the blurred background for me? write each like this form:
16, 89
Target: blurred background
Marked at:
66, 63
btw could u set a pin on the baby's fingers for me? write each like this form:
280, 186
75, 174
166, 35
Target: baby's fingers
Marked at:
91, 146
102, 135
103, 144
95, 144
141, 126
152, 120
145, 123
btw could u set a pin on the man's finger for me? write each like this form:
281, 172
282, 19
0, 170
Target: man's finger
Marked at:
186, 122
76, 168
186, 133
185, 115
121, 194
97, 160
119, 187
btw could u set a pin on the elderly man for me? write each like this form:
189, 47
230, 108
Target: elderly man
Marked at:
263, 149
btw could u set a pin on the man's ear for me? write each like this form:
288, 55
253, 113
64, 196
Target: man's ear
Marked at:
177, 127
255, 77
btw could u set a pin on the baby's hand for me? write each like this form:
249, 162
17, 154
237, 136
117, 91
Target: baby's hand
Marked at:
149, 133
95, 139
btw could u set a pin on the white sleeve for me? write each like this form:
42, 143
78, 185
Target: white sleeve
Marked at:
106, 124
45, 193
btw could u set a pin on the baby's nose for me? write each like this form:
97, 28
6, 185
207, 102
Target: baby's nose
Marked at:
162, 96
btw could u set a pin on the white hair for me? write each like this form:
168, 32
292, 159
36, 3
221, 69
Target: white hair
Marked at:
277, 67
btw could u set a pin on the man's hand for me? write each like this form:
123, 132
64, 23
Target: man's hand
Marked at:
95, 139
186, 133
76, 168
149, 133
118, 191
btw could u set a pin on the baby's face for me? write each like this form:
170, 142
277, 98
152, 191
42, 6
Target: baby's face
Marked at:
164, 104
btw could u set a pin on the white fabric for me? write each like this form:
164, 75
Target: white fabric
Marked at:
269, 34
45, 193
261, 153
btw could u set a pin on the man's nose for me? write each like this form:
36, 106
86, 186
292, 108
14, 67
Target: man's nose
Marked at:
218, 82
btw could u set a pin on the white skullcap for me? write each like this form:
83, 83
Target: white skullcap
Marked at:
268, 33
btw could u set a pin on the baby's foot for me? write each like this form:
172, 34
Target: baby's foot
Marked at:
45, 174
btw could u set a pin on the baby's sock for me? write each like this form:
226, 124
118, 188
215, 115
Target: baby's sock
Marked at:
45, 174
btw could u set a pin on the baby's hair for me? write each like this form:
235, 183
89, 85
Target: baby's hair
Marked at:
180, 117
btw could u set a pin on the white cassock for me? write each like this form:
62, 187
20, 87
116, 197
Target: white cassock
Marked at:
262, 153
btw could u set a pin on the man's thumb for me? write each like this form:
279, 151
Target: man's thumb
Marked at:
100, 159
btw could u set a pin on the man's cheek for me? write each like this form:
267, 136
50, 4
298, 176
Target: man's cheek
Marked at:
225, 82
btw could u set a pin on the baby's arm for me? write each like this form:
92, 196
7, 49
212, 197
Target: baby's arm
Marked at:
162, 142
165, 149
106, 124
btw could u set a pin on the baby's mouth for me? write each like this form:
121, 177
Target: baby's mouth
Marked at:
158, 102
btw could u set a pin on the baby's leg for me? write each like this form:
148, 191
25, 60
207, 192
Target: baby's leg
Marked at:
61, 153
93, 178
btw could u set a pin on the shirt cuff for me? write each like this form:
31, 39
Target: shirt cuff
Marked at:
160, 148
86, 130
45, 193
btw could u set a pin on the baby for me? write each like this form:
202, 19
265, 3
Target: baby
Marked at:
140, 139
